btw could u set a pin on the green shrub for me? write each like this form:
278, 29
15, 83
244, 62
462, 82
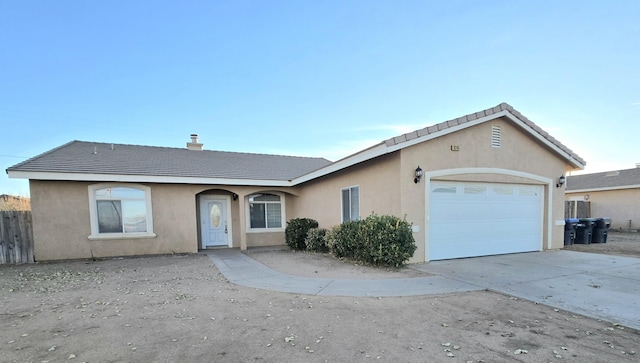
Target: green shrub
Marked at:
316, 240
343, 239
376, 240
296, 232
387, 241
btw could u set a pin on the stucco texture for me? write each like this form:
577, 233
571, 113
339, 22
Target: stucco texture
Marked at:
619, 205
378, 181
62, 226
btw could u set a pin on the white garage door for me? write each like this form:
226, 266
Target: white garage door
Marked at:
480, 219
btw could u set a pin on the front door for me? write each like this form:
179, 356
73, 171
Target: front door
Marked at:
214, 222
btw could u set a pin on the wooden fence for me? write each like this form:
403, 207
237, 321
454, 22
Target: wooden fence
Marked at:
16, 237
577, 209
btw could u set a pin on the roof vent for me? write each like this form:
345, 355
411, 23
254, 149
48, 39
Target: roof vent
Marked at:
612, 173
194, 145
496, 135
637, 165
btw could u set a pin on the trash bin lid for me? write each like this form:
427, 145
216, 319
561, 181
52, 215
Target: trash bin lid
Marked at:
588, 222
601, 223
572, 220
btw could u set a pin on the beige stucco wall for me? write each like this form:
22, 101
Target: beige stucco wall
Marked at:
619, 205
60, 220
62, 226
378, 180
265, 239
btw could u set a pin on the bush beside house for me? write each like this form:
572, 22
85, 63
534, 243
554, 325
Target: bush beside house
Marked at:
386, 241
375, 240
297, 230
316, 240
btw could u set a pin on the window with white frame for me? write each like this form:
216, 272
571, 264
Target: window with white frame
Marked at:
120, 211
265, 211
351, 204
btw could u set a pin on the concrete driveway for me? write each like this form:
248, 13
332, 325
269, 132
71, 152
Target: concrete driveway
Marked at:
595, 285
599, 286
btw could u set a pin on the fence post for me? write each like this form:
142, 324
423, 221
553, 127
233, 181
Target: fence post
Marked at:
4, 238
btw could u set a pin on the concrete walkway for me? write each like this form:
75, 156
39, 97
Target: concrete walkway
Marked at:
599, 286
241, 269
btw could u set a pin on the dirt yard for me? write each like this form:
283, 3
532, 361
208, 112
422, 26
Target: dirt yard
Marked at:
618, 243
181, 309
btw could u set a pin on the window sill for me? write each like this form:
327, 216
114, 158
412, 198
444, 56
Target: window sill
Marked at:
95, 237
266, 230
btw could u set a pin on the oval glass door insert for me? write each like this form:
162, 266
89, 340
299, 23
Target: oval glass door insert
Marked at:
216, 215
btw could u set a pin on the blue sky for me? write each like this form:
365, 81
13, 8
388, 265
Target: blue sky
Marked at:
313, 78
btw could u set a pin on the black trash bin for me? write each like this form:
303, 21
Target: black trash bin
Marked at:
584, 231
570, 225
600, 230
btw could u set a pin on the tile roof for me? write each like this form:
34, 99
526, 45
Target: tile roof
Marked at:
148, 161
100, 158
438, 128
617, 179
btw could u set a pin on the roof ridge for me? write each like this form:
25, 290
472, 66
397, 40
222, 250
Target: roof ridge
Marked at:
86, 157
204, 150
449, 123
543, 133
477, 115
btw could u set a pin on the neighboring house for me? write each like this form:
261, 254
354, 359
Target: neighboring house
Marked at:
12, 202
488, 185
612, 194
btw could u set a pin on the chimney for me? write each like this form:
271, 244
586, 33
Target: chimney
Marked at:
194, 145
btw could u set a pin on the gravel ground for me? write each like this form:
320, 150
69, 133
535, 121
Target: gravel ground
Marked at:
181, 309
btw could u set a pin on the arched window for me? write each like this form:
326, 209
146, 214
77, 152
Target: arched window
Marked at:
266, 211
120, 211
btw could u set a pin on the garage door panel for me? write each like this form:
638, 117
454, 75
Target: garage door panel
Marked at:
490, 233
481, 246
476, 248
475, 219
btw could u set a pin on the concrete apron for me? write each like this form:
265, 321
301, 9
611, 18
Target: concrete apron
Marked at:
599, 286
